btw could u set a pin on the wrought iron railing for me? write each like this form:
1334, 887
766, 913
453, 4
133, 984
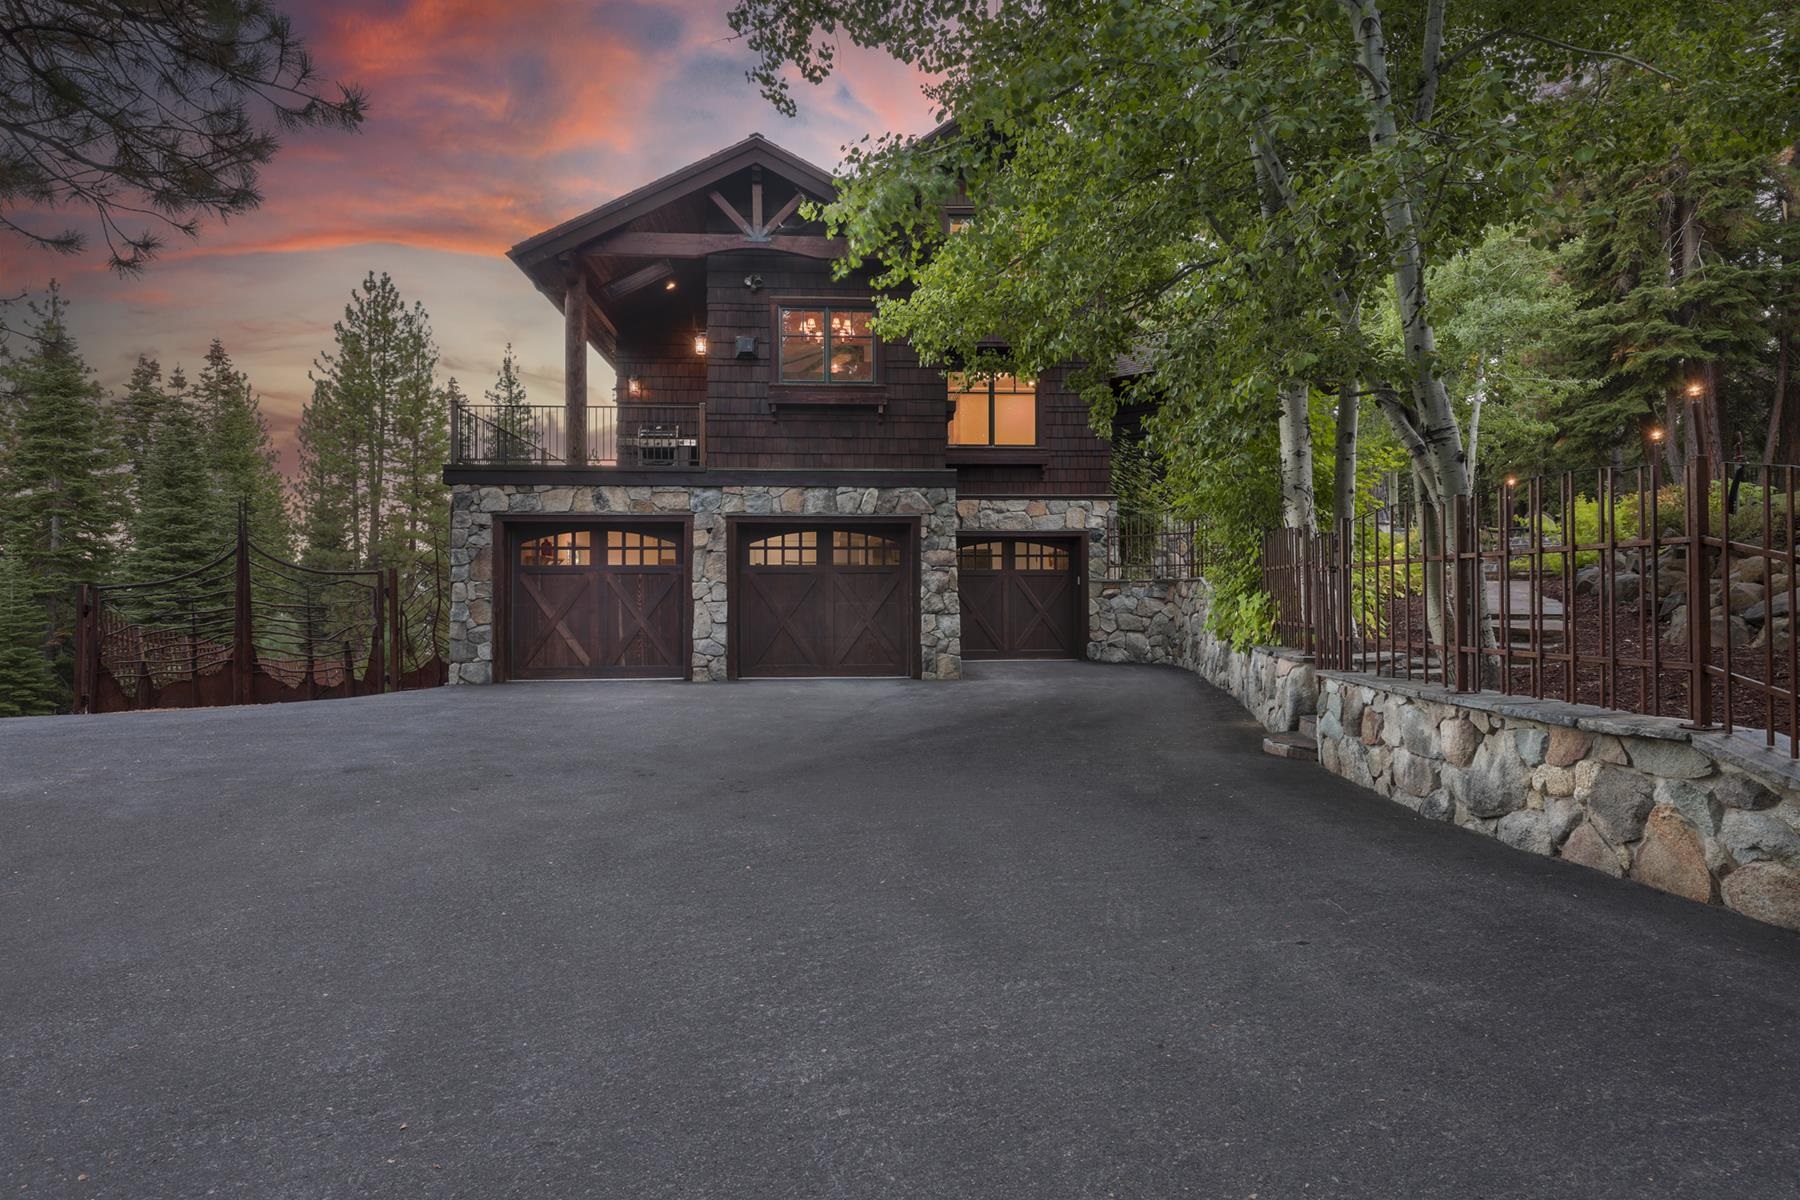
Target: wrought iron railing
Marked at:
1615, 588
625, 436
1143, 547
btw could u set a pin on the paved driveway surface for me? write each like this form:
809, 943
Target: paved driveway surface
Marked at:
1058, 930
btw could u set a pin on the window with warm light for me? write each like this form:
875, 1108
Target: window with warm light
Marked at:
827, 345
1001, 411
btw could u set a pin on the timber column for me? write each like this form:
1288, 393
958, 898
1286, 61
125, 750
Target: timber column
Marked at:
575, 306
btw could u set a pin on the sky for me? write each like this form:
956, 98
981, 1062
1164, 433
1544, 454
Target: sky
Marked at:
488, 121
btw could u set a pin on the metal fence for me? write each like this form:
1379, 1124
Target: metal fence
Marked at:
1616, 588
626, 436
1154, 546
250, 628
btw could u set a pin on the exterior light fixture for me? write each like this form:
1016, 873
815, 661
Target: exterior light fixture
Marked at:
668, 285
1696, 388
634, 386
1512, 481
1656, 433
700, 342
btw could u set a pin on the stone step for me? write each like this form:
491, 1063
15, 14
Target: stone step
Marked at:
1292, 745
1309, 727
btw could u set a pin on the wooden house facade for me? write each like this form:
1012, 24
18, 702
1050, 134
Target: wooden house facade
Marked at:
772, 489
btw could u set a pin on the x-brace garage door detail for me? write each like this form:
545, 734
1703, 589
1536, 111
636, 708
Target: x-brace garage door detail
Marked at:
824, 600
597, 602
1019, 598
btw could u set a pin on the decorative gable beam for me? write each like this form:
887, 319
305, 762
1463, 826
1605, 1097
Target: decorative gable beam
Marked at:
642, 278
784, 212
699, 245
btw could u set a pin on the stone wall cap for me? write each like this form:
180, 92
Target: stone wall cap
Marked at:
1586, 717
1745, 750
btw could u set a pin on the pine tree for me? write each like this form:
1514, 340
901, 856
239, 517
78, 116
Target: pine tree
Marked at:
62, 476
139, 410
27, 683
509, 413
240, 458
174, 526
376, 433
323, 491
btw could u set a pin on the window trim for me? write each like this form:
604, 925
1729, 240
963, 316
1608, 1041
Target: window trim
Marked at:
865, 304
991, 447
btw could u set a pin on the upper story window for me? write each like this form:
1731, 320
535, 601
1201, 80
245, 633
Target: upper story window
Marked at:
958, 219
1001, 411
827, 345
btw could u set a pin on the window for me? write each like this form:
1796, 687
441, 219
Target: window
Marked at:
851, 549
797, 549
629, 548
557, 550
959, 219
827, 345
979, 556
1039, 556
1001, 411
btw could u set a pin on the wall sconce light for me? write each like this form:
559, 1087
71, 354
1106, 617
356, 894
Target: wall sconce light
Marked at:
668, 285
634, 386
700, 342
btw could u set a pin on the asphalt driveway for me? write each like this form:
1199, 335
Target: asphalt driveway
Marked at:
1057, 930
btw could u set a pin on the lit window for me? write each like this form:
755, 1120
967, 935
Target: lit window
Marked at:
827, 345
1039, 556
629, 548
850, 549
979, 556
556, 550
797, 549
1001, 411
959, 221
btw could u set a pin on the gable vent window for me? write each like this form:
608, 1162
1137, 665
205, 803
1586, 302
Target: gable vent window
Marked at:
827, 345
1001, 411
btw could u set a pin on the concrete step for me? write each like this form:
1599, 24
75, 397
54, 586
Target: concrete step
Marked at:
1309, 727
1292, 745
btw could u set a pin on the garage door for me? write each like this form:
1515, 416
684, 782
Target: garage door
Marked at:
824, 600
597, 602
1020, 598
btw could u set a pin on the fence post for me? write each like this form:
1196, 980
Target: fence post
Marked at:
243, 649
84, 649
1698, 503
455, 429
1345, 594
393, 590
1464, 583
378, 653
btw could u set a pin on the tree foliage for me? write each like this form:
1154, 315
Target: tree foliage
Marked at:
149, 116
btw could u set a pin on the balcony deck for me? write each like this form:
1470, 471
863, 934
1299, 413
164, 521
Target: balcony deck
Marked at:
625, 437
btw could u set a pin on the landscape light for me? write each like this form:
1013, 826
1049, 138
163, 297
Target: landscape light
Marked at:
1512, 481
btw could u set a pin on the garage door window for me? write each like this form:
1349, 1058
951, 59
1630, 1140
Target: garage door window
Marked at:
799, 548
572, 549
629, 548
980, 556
850, 549
1039, 556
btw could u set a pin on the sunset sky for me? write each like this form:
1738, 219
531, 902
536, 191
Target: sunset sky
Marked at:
489, 120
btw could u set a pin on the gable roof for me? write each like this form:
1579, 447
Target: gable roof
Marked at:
755, 150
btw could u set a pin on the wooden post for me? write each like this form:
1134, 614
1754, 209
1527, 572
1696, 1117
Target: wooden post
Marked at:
378, 656
393, 591
1699, 595
575, 306
85, 649
243, 652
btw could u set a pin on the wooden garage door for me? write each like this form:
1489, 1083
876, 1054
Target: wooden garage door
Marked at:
1019, 598
597, 602
824, 600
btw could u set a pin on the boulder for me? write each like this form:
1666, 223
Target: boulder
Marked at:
1587, 847
1759, 836
1673, 856
1766, 891
1751, 568
1741, 791
1618, 803
1414, 774
1568, 747
1494, 783
1667, 759
1532, 744
1527, 830
1743, 596
1459, 739
1627, 586
1776, 605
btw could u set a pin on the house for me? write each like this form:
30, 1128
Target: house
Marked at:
772, 490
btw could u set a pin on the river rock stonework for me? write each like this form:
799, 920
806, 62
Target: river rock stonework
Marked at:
473, 508
981, 514
1636, 797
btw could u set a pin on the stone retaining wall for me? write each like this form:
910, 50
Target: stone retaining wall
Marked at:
1711, 818
471, 561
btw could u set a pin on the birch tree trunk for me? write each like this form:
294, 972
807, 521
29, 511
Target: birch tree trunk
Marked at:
1298, 507
1343, 479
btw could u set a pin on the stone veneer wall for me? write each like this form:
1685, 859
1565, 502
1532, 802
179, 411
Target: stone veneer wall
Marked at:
473, 507
979, 514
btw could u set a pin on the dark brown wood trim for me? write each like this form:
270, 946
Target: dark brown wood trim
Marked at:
997, 455
501, 574
560, 476
914, 523
699, 245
